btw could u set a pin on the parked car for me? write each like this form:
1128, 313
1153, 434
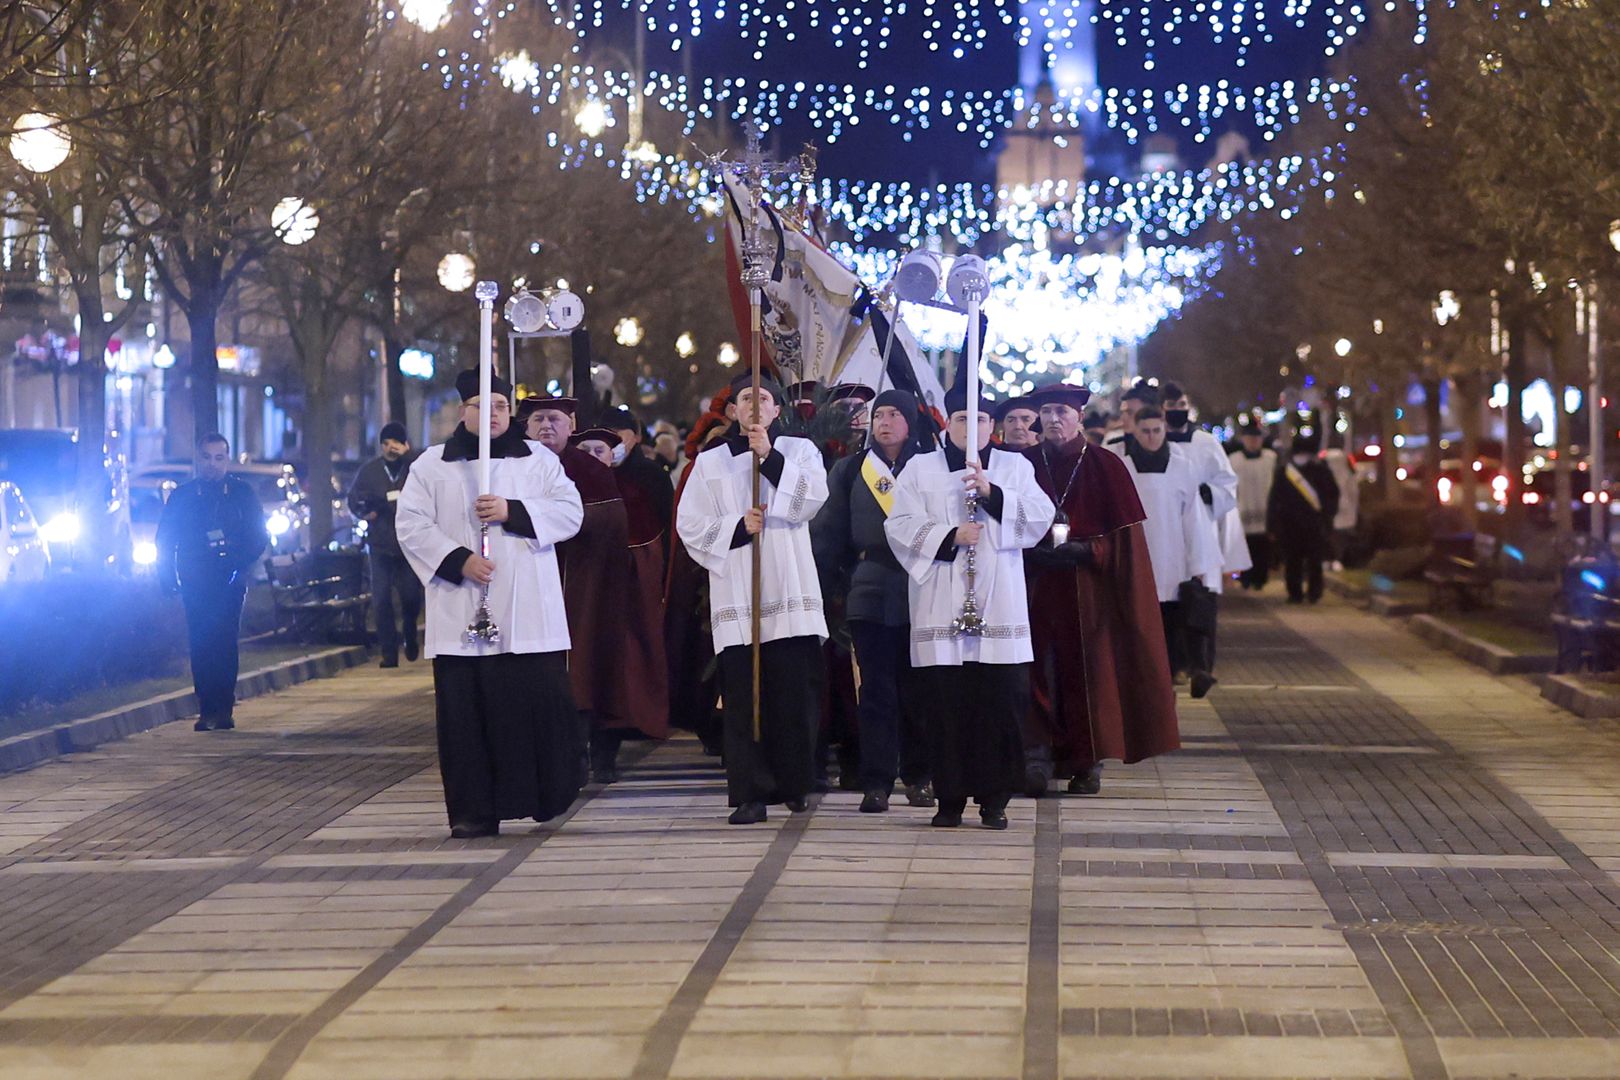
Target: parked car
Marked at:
24, 555
44, 463
147, 494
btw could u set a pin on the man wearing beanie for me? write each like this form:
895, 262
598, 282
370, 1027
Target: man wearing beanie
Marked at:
511, 744
1304, 500
975, 686
718, 521
854, 559
374, 498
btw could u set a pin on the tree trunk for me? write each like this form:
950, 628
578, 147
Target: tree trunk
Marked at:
1465, 389
200, 317
318, 461
1435, 425
94, 546
1389, 456
394, 348
1515, 374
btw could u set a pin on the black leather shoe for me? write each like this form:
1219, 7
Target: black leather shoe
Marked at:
606, 774
993, 819
204, 723
946, 819
389, 663
875, 802
1086, 783
1034, 784
1202, 683
224, 723
796, 806
920, 794
751, 813
411, 649
475, 830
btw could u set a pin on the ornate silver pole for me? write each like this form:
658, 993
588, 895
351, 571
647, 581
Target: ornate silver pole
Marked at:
968, 285
483, 628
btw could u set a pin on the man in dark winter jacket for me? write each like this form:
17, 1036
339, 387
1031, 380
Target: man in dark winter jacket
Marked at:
211, 532
1304, 500
853, 556
374, 497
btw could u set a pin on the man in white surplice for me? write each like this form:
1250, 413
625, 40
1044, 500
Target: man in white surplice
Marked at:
718, 522
1181, 545
511, 743
975, 687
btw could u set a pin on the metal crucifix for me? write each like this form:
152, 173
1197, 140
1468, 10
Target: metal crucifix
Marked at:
753, 173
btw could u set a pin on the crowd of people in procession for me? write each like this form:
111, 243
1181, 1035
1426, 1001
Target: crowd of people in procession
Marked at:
1091, 551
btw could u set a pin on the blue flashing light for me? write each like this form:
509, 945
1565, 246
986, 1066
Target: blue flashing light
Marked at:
1513, 553
1593, 580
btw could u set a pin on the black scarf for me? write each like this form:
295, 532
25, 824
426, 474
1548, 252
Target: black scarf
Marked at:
1156, 462
956, 457
737, 442
462, 445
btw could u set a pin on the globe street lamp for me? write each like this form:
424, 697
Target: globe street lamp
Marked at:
1342, 347
627, 331
457, 272
1446, 307
39, 142
428, 14
593, 118
294, 221
728, 355
685, 346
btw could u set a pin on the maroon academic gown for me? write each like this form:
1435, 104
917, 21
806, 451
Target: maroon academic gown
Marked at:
1101, 680
596, 574
688, 643
643, 668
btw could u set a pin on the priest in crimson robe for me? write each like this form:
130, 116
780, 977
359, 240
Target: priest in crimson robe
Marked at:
1101, 680
597, 587
511, 744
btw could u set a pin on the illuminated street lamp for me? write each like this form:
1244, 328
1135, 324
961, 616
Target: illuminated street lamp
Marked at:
728, 355
1342, 347
593, 118
428, 14
518, 71
294, 221
627, 331
1446, 307
457, 272
39, 142
684, 345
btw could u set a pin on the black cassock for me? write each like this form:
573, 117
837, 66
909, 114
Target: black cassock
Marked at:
511, 742
974, 742
781, 766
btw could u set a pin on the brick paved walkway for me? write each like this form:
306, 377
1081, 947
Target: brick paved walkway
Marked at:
1370, 861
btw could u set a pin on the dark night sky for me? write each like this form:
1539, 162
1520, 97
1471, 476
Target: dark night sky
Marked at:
876, 151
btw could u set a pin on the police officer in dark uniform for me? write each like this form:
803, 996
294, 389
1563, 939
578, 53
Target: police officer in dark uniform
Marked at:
374, 496
211, 532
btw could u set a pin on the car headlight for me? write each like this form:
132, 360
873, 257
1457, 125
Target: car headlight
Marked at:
61, 529
278, 523
144, 553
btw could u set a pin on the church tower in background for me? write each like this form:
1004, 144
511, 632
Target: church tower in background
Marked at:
1057, 63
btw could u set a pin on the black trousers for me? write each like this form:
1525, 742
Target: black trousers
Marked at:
511, 742
1302, 558
894, 741
213, 623
390, 573
1195, 621
781, 765
1260, 555
974, 717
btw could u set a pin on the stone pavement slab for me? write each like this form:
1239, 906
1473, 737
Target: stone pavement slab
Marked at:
1370, 860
